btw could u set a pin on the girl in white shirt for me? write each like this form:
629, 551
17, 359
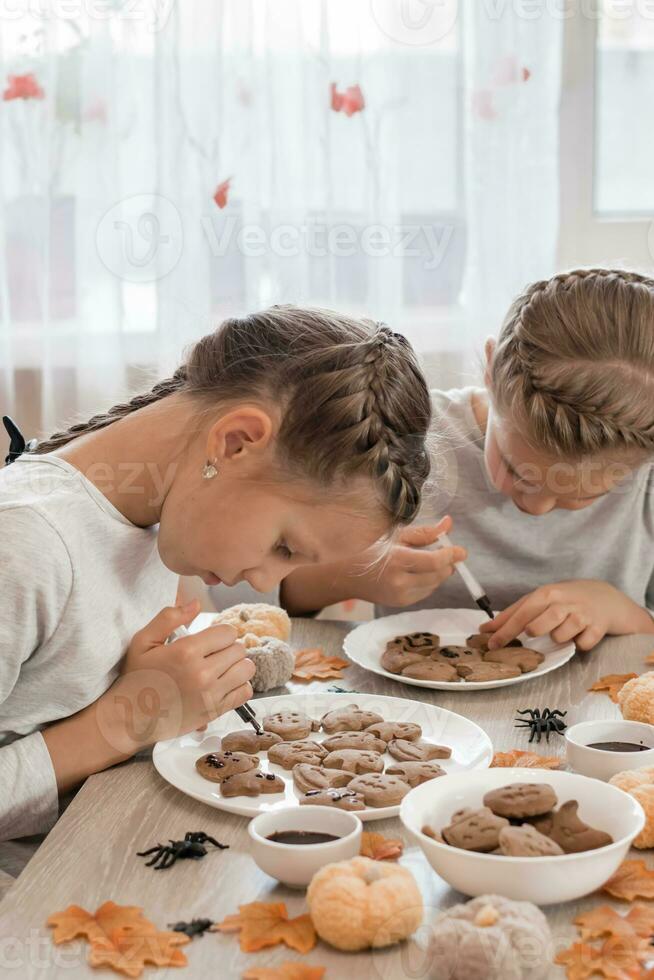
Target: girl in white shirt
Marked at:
287, 437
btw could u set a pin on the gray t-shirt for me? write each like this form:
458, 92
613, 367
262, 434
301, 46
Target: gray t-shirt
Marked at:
77, 581
512, 553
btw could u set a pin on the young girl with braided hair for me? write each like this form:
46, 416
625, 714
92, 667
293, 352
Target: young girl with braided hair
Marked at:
288, 437
546, 475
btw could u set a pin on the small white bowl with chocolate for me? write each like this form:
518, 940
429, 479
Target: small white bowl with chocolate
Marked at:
601, 749
531, 835
292, 844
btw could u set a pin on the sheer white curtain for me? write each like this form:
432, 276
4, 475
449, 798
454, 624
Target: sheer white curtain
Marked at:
164, 164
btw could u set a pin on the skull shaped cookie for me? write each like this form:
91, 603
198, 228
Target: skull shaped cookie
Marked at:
354, 760
249, 742
289, 754
251, 784
474, 830
351, 718
342, 799
405, 751
415, 773
380, 789
520, 800
217, 766
290, 725
307, 777
354, 740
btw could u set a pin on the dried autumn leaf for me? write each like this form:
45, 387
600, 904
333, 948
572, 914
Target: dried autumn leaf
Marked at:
603, 921
285, 971
633, 879
380, 848
313, 664
641, 920
650, 658
525, 760
618, 958
262, 924
120, 937
612, 684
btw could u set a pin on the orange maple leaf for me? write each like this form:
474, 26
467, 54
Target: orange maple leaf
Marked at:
612, 684
525, 760
380, 848
633, 879
641, 920
313, 664
619, 958
285, 971
262, 924
603, 921
120, 937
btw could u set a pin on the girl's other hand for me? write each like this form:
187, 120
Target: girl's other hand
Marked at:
166, 690
408, 573
583, 610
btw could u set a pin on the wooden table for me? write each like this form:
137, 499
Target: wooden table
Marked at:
89, 856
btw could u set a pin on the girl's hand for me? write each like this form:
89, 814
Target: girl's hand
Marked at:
408, 573
166, 690
583, 610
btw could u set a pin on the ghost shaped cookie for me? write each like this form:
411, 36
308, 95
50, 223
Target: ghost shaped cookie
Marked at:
351, 718
217, 766
248, 741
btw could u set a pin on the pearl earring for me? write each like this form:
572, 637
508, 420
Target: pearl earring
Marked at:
209, 471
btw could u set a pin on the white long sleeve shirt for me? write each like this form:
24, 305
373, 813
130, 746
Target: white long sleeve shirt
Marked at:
77, 580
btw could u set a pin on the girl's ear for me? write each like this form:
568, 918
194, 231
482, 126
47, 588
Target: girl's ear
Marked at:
489, 350
245, 431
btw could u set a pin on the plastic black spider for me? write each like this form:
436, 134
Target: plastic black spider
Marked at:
543, 722
196, 927
192, 846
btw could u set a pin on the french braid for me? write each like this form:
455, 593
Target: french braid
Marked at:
574, 363
354, 401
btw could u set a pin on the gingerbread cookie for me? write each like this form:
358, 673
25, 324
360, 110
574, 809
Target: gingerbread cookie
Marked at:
248, 741
523, 658
424, 643
289, 754
342, 799
380, 789
454, 655
415, 773
354, 760
217, 766
290, 725
569, 831
387, 730
487, 672
526, 841
395, 659
307, 777
351, 718
354, 740
520, 800
405, 751
430, 670
478, 641
251, 784
474, 830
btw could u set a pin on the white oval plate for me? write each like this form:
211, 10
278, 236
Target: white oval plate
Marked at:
365, 645
175, 758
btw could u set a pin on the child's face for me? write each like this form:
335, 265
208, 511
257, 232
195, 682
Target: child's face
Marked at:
537, 483
259, 535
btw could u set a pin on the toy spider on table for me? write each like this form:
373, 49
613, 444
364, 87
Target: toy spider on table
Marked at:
192, 846
543, 722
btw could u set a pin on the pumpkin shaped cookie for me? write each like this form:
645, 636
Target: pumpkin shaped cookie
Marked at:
290, 725
519, 800
361, 903
474, 830
354, 760
351, 718
380, 789
354, 740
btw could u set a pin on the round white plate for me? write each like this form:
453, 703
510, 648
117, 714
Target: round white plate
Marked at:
175, 758
365, 645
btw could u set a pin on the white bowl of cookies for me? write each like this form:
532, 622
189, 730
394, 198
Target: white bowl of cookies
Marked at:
536, 836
